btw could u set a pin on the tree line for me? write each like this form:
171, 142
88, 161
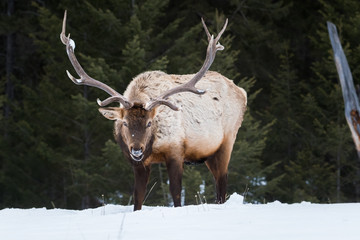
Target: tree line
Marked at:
57, 151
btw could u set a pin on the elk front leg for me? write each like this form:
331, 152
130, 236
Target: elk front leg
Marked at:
175, 171
142, 174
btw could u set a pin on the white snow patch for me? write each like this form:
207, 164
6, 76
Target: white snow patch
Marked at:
235, 199
232, 220
72, 44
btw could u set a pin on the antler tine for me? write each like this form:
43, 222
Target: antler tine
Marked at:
206, 29
85, 79
189, 86
63, 38
222, 31
208, 33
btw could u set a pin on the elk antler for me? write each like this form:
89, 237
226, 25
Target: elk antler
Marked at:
212, 48
86, 79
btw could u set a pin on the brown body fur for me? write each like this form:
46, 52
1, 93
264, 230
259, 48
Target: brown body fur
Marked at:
204, 129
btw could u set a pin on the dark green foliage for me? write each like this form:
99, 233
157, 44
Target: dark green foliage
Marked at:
294, 144
246, 174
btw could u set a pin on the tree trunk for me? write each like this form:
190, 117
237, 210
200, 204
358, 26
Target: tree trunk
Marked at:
351, 101
86, 198
9, 89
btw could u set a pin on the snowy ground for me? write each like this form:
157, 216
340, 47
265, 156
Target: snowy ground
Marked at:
232, 220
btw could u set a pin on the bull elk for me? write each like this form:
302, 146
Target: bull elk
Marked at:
164, 118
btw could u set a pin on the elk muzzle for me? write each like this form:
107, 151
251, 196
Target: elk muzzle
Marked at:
137, 154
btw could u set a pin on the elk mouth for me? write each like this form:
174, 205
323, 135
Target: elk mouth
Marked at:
136, 155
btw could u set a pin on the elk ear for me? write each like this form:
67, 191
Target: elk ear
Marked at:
112, 113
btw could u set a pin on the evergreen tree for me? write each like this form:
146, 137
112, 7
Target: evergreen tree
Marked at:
117, 184
247, 174
284, 108
336, 144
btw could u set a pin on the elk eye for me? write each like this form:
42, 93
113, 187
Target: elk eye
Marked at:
125, 124
148, 124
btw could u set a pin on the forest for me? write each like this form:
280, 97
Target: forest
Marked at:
56, 150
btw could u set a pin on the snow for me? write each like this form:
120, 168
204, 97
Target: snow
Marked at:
72, 44
232, 220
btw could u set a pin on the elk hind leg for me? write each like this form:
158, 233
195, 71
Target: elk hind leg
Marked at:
218, 165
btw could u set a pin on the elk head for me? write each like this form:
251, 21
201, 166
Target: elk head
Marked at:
134, 120
133, 128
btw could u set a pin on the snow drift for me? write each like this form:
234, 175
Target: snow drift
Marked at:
232, 220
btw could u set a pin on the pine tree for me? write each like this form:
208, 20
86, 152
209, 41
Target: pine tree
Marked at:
283, 108
335, 145
23, 181
246, 172
117, 173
